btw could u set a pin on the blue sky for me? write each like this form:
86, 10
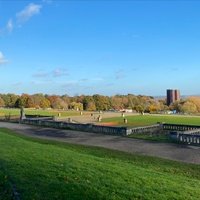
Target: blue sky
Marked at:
105, 47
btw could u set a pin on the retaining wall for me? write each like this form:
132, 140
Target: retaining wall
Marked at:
183, 133
145, 129
185, 137
179, 127
121, 131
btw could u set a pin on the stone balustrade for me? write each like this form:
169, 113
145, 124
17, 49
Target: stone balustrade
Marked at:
145, 129
179, 127
121, 131
182, 133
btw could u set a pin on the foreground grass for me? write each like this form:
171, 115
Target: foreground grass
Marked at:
51, 170
5, 187
144, 120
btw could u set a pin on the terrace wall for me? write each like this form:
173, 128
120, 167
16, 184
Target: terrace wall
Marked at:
121, 131
188, 137
156, 128
182, 133
179, 127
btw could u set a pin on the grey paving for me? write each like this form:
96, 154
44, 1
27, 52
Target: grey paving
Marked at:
184, 153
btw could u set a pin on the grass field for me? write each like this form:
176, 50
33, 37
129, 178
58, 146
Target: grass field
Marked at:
4, 111
144, 120
51, 170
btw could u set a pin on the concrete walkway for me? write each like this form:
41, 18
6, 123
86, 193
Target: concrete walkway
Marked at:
189, 154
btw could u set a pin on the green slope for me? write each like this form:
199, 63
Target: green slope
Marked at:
52, 170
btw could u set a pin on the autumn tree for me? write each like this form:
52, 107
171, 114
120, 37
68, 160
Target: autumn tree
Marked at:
189, 107
56, 102
196, 101
9, 99
24, 100
116, 103
44, 103
88, 103
2, 104
101, 102
76, 106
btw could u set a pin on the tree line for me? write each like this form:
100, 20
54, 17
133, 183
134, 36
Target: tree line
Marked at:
139, 103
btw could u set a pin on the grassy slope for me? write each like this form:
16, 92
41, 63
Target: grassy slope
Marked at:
142, 120
52, 170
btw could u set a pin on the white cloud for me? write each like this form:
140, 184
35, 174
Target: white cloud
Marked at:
47, 1
120, 74
97, 79
41, 74
29, 11
9, 26
60, 72
2, 58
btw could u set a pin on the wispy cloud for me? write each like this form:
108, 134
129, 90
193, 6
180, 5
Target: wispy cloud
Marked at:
47, 1
17, 84
174, 69
21, 17
84, 80
9, 26
41, 74
60, 72
70, 84
29, 11
97, 79
119, 74
2, 59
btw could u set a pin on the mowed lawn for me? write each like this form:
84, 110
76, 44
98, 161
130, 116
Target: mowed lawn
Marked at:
39, 169
52, 112
144, 120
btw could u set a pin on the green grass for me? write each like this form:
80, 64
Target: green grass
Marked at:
4, 111
50, 170
144, 120
5, 187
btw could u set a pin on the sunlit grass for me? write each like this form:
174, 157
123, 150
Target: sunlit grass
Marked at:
144, 120
52, 170
51, 112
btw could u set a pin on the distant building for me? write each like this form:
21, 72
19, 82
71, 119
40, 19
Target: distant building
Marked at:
172, 96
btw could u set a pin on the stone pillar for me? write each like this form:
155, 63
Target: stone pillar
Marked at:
125, 121
22, 114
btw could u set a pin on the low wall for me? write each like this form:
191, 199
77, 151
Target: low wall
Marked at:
145, 129
190, 135
121, 131
186, 137
179, 127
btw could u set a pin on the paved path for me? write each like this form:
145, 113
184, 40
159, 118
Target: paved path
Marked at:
189, 154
